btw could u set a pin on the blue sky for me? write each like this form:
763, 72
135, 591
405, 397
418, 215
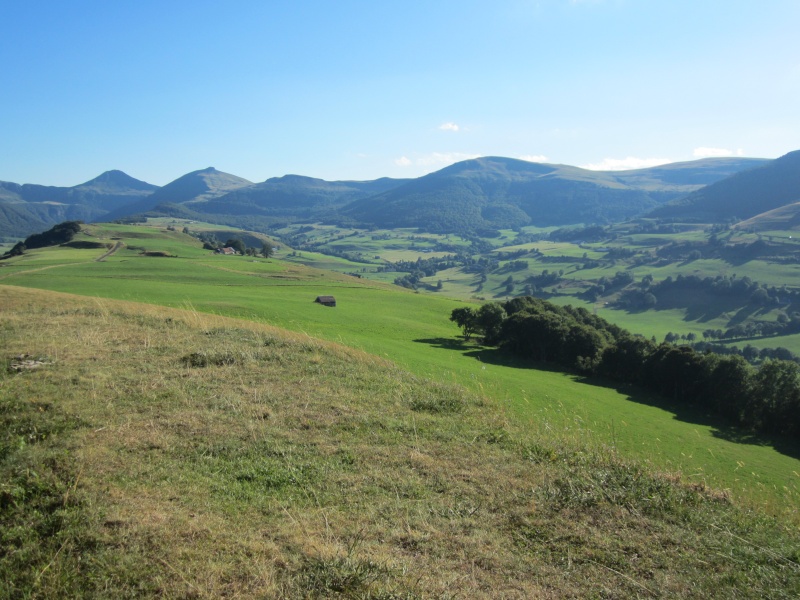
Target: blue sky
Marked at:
352, 89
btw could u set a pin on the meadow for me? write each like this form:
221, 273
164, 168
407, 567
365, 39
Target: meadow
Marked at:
413, 331
581, 266
147, 451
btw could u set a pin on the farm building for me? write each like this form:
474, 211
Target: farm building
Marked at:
326, 300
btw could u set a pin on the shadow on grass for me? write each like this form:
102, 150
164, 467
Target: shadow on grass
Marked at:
486, 354
720, 428
447, 343
742, 314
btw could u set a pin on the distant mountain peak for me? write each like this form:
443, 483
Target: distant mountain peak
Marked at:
116, 179
198, 186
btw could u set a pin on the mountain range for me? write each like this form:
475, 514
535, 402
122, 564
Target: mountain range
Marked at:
29, 208
743, 195
482, 193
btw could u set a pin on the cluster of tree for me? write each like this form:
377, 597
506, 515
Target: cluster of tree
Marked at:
427, 266
742, 290
784, 325
636, 299
653, 227
546, 278
617, 253
410, 281
513, 265
750, 353
592, 233
605, 285
210, 242
58, 234
717, 247
588, 263
765, 399
722, 285
483, 265
527, 238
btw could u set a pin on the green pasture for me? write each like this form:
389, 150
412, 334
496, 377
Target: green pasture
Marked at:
198, 226
327, 262
455, 283
378, 245
528, 246
414, 331
660, 239
783, 236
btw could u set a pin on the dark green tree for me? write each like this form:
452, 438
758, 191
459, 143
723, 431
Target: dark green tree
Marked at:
539, 336
775, 402
489, 319
625, 360
58, 234
18, 249
267, 249
582, 346
465, 317
237, 245
730, 385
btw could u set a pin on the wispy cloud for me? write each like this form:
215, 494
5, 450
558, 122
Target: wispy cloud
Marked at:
626, 164
535, 158
403, 161
704, 152
449, 127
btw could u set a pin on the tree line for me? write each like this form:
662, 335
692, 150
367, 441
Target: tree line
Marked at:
58, 234
765, 399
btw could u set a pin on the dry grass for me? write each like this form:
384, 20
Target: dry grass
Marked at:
167, 453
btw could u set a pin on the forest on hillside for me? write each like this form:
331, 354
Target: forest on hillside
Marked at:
765, 399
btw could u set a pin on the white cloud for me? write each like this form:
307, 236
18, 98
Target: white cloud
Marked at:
403, 161
534, 158
704, 152
626, 164
449, 127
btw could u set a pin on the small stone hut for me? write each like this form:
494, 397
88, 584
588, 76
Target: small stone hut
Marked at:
326, 300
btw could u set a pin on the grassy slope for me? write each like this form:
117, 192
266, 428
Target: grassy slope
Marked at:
413, 330
378, 246
158, 452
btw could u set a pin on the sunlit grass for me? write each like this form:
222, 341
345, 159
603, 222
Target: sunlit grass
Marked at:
177, 454
413, 330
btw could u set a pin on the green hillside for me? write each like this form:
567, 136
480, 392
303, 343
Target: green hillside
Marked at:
171, 269
296, 197
28, 208
742, 195
498, 193
785, 218
155, 452
197, 186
